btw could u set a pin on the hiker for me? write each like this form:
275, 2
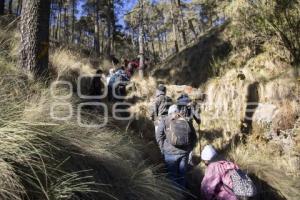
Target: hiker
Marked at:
114, 61
188, 109
132, 67
161, 105
111, 73
128, 68
117, 85
176, 140
97, 85
125, 62
223, 180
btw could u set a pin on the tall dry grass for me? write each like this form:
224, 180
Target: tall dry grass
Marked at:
61, 160
272, 174
44, 158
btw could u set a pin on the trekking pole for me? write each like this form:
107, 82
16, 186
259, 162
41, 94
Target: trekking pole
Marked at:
200, 138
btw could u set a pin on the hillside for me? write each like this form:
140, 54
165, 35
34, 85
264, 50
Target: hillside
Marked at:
65, 136
47, 154
194, 65
251, 106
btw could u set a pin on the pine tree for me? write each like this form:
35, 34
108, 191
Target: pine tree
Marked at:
10, 9
141, 38
35, 36
2, 2
174, 25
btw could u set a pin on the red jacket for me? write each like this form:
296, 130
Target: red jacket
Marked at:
132, 67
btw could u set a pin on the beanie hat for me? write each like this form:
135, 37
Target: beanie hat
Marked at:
173, 109
208, 153
183, 100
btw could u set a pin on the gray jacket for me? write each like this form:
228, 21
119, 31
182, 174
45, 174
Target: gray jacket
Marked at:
165, 146
161, 105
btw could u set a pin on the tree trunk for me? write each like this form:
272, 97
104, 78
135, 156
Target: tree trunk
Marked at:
10, 9
153, 50
166, 44
79, 37
132, 39
56, 26
59, 20
66, 23
182, 23
141, 38
35, 36
174, 26
52, 18
73, 20
110, 28
192, 28
2, 2
96, 34
113, 25
19, 7
108, 44
159, 45
102, 38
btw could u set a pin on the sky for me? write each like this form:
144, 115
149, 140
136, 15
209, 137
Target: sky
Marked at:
128, 5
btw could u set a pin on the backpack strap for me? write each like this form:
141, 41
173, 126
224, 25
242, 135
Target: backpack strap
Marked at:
224, 185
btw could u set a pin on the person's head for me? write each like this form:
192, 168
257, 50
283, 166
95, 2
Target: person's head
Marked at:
162, 88
121, 68
173, 110
208, 154
99, 71
125, 62
183, 100
111, 71
114, 60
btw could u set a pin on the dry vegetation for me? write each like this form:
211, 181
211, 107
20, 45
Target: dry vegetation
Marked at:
43, 158
60, 160
253, 71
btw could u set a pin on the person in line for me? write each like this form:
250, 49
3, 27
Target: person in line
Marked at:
133, 66
110, 74
97, 85
212, 186
188, 109
117, 85
114, 61
125, 62
223, 180
160, 106
176, 140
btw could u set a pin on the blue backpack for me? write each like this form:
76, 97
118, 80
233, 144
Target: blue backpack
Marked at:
119, 78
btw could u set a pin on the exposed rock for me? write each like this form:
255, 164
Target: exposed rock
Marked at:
265, 113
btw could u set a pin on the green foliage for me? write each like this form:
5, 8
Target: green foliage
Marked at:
272, 18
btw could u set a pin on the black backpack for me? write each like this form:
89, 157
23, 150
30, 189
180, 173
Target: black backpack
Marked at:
178, 132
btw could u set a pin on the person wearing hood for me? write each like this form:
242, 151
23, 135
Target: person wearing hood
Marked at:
217, 182
160, 106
